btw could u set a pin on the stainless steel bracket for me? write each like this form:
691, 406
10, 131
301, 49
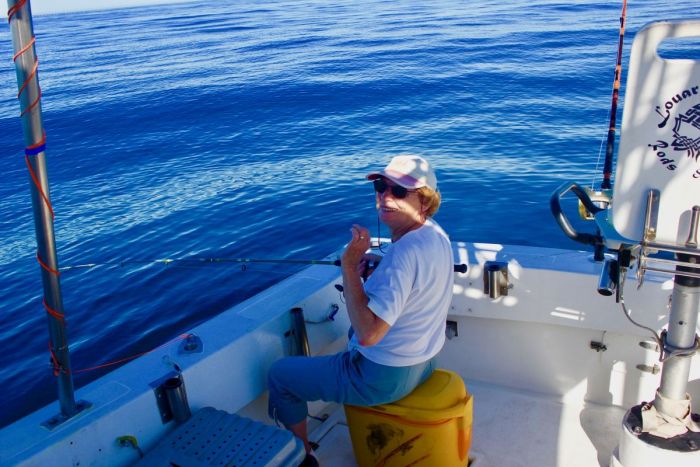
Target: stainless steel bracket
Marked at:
495, 279
648, 247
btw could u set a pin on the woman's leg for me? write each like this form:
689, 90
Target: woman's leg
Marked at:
346, 377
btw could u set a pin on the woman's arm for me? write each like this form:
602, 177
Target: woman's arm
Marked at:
368, 327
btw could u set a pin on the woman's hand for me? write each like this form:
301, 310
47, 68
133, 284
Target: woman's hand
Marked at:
353, 256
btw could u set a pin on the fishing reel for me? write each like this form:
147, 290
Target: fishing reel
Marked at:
592, 203
589, 206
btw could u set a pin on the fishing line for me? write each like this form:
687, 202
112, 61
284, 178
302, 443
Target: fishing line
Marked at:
597, 162
379, 235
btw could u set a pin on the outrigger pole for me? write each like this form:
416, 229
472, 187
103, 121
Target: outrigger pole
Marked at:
610, 146
29, 95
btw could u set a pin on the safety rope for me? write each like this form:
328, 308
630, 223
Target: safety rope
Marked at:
58, 368
140, 354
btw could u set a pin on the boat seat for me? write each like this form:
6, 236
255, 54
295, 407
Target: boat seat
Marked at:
660, 137
431, 426
214, 437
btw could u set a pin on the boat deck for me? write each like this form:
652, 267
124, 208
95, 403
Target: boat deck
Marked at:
510, 429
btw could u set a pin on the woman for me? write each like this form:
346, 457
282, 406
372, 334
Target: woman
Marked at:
398, 315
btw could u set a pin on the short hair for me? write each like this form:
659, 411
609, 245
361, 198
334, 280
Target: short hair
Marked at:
430, 199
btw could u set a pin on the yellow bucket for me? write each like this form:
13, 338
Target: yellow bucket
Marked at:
430, 426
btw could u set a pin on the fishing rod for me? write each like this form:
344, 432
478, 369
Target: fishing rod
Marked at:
461, 268
201, 261
610, 147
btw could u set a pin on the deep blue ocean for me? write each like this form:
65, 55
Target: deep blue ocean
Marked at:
244, 129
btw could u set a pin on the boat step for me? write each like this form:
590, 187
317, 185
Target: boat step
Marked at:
213, 437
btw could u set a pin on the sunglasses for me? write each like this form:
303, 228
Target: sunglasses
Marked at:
380, 186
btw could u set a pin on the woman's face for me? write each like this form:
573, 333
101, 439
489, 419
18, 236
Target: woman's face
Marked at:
397, 213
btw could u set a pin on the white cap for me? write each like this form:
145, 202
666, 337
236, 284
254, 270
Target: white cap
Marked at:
409, 171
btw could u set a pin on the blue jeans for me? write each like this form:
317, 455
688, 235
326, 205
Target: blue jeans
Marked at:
346, 377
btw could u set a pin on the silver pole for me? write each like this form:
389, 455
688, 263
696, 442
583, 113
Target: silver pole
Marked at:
685, 304
20, 16
685, 307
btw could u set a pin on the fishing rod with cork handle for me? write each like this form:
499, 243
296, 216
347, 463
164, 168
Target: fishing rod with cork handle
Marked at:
459, 268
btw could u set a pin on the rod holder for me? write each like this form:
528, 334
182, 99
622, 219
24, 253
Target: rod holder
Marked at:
176, 396
191, 344
495, 279
651, 215
692, 241
683, 266
299, 326
609, 277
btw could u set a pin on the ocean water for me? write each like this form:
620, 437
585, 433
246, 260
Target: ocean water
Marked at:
244, 129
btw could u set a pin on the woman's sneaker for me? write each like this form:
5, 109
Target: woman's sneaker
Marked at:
309, 461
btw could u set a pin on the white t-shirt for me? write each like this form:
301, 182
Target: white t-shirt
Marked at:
411, 290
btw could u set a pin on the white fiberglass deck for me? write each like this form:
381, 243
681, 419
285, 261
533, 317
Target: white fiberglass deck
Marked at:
511, 429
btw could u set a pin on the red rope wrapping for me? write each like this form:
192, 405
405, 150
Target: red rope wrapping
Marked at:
29, 76
32, 75
56, 314
55, 272
24, 85
35, 179
57, 367
12, 11
126, 359
24, 49
36, 101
